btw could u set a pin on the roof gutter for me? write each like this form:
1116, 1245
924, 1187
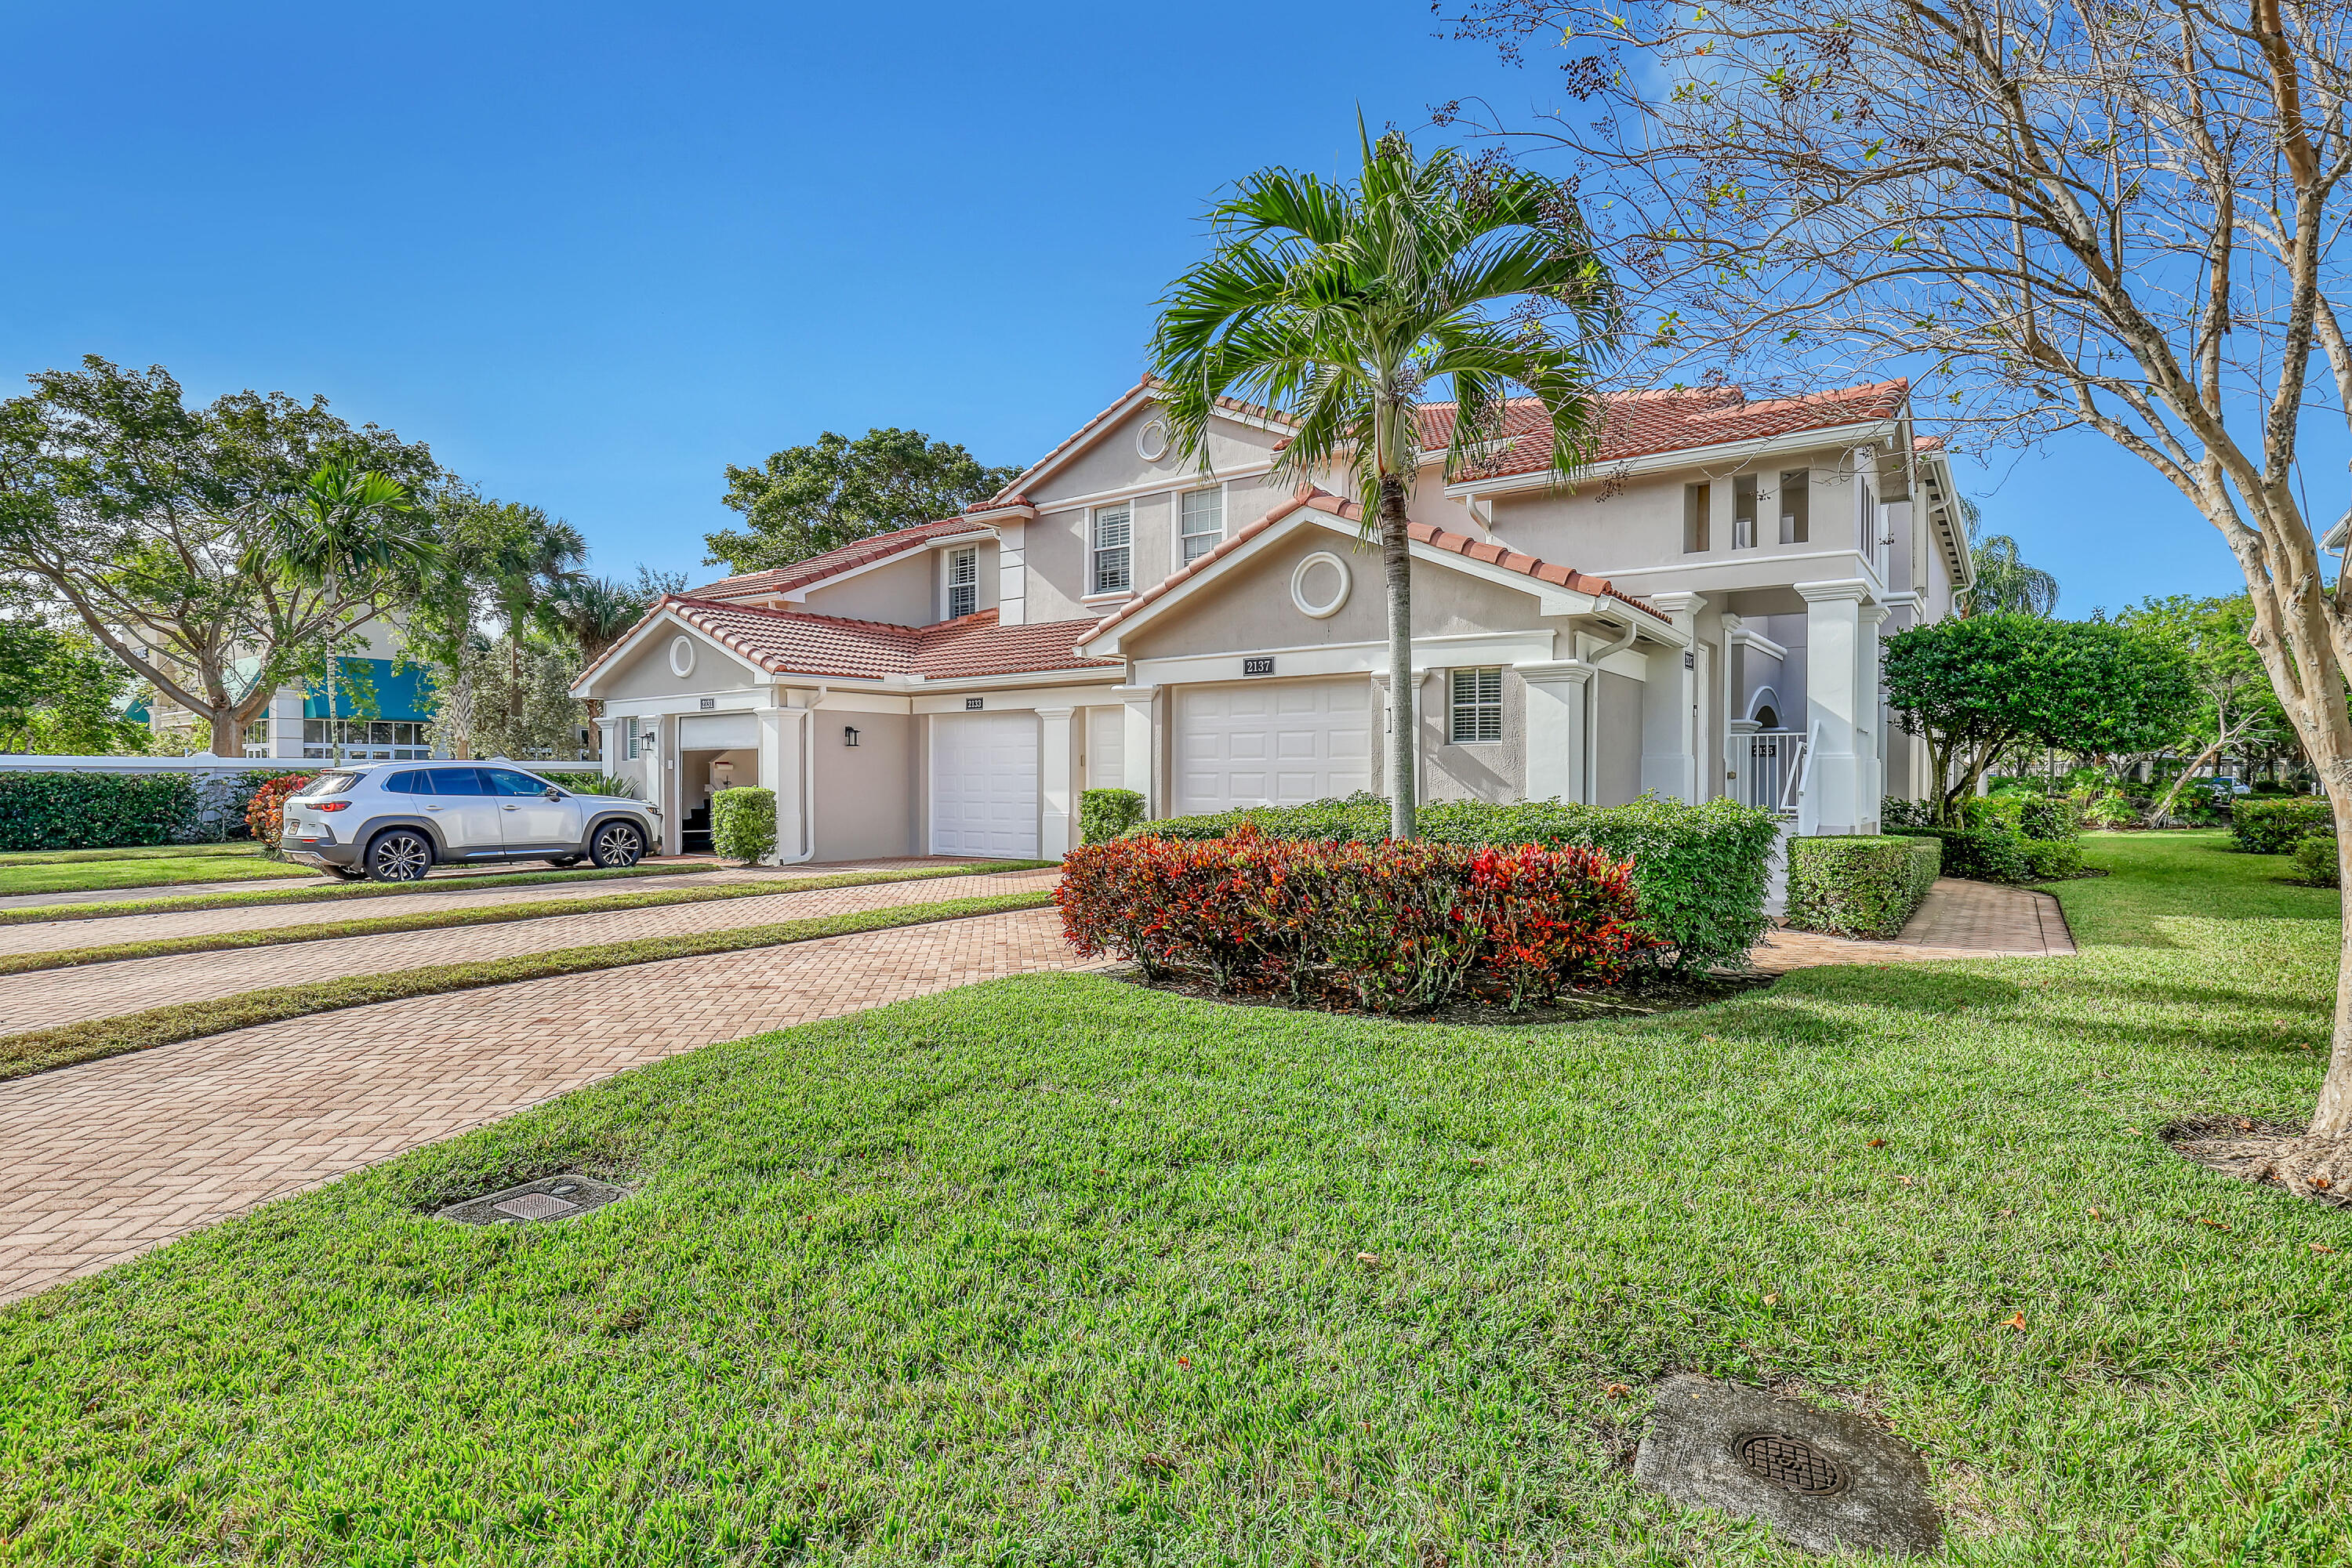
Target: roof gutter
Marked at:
1682, 457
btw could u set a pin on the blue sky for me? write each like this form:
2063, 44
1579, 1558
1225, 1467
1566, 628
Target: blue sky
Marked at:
593, 253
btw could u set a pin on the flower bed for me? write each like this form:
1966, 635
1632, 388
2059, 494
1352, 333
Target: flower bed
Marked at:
1386, 927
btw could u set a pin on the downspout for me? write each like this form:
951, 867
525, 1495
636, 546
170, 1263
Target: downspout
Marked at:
806, 849
1592, 780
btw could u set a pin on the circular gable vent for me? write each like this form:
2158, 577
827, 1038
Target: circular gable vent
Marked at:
1152, 441
681, 656
1320, 585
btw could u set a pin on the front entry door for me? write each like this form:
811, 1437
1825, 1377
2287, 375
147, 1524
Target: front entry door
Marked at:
462, 806
533, 821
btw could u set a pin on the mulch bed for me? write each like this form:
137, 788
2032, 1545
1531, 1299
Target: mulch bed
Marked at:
2272, 1153
1632, 1001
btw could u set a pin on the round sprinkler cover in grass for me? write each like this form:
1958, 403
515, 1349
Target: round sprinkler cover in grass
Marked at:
536, 1202
1826, 1480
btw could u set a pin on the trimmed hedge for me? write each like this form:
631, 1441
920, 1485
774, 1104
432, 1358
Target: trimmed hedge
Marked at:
1699, 871
1391, 927
1105, 813
2315, 861
590, 784
743, 823
265, 807
2274, 826
1860, 885
95, 810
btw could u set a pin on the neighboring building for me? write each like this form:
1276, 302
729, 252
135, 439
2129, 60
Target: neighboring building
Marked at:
1698, 616
382, 707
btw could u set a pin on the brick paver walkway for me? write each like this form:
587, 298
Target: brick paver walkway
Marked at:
54, 936
113, 1157
46, 998
1957, 919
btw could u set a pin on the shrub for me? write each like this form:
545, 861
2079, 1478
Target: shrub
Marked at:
2048, 860
1981, 853
2049, 819
2112, 809
265, 807
1898, 816
590, 783
1699, 871
94, 810
743, 823
1105, 813
2273, 826
1861, 885
2314, 861
1392, 927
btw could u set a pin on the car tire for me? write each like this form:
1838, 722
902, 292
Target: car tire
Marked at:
403, 855
616, 844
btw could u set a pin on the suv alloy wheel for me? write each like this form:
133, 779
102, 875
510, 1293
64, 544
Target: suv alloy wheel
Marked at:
401, 855
617, 844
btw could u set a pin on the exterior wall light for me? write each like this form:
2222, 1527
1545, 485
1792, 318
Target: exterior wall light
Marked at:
849, 735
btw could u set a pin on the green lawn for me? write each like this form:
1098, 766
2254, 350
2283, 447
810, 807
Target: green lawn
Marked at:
82, 871
1057, 1271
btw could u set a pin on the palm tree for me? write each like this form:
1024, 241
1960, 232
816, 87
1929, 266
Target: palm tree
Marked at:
1341, 305
594, 612
2004, 585
345, 524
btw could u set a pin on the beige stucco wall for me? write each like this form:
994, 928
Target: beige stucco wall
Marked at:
910, 593
1493, 770
645, 672
1624, 531
1617, 739
1110, 461
866, 793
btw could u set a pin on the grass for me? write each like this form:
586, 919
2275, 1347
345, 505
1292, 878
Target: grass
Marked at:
1061, 1270
479, 914
78, 871
127, 852
324, 890
38, 1050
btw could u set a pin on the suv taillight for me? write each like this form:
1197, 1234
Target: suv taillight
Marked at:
329, 805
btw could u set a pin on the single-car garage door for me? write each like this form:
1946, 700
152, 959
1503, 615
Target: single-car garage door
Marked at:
1273, 742
984, 785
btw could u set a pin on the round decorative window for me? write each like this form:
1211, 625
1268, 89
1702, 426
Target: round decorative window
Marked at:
681, 656
1320, 585
1152, 441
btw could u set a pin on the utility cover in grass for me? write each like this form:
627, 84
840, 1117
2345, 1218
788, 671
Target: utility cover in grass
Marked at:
549, 1198
1824, 1478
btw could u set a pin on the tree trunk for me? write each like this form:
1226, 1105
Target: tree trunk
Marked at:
1396, 558
2332, 1117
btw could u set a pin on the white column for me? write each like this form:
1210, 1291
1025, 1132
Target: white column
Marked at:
1671, 745
1138, 764
1833, 695
610, 745
1058, 808
783, 733
1013, 573
1869, 750
1556, 729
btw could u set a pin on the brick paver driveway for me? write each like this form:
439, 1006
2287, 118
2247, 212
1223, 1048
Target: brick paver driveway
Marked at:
48, 997
113, 1157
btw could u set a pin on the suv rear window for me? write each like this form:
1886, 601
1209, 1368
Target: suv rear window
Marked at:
330, 783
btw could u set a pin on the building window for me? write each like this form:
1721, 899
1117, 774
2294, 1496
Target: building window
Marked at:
1114, 530
635, 738
1743, 512
1795, 496
1698, 514
1477, 707
963, 582
366, 740
1204, 522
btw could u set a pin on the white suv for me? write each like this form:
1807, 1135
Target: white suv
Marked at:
392, 821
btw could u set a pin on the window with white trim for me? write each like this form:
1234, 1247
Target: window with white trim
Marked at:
1203, 522
963, 580
1114, 532
636, 740
1477, 707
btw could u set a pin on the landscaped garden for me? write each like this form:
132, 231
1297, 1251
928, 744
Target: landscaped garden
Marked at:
1061, 1267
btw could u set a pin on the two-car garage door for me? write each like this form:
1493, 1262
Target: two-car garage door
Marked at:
1273, 742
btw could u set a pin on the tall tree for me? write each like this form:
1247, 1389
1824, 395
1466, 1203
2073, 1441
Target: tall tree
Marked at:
2236, 713
141, 516
2128, 219
1341, 305
2003, 585
502, 565
805, 501
60, 693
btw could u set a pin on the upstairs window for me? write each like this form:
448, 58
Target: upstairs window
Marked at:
1114, 531
1477, 707
963, 582
1698, 517
1204, 522
1743, 512
1795, 496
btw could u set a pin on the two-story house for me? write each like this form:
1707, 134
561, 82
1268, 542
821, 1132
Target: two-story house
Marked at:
1698, 615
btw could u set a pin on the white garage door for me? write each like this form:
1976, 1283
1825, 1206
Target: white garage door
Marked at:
1273, 743
984, 785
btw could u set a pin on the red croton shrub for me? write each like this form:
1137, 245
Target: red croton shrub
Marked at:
265, 814
1389, 927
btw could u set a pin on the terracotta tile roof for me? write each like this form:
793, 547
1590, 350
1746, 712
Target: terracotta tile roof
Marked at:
793, 642
1422, 532
1640, 424
857, 553
1001, 503
1927, 443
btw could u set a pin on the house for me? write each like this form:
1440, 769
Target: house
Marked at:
382, 706
1698, 615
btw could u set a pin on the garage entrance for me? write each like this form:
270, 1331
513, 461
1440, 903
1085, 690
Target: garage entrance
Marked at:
984, 785
1267, 742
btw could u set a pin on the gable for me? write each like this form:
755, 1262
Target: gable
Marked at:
643, 669
1110, 460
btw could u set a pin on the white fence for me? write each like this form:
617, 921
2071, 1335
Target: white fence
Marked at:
1775, 770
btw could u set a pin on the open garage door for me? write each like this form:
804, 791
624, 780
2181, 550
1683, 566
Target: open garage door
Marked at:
984, 785
1265, 742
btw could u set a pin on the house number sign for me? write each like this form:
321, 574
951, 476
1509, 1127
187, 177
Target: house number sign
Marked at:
1262, 665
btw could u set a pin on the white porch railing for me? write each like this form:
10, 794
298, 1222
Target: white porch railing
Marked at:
1775, 772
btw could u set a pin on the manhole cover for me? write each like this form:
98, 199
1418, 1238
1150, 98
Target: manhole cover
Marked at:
549, 1198
1789, 1462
